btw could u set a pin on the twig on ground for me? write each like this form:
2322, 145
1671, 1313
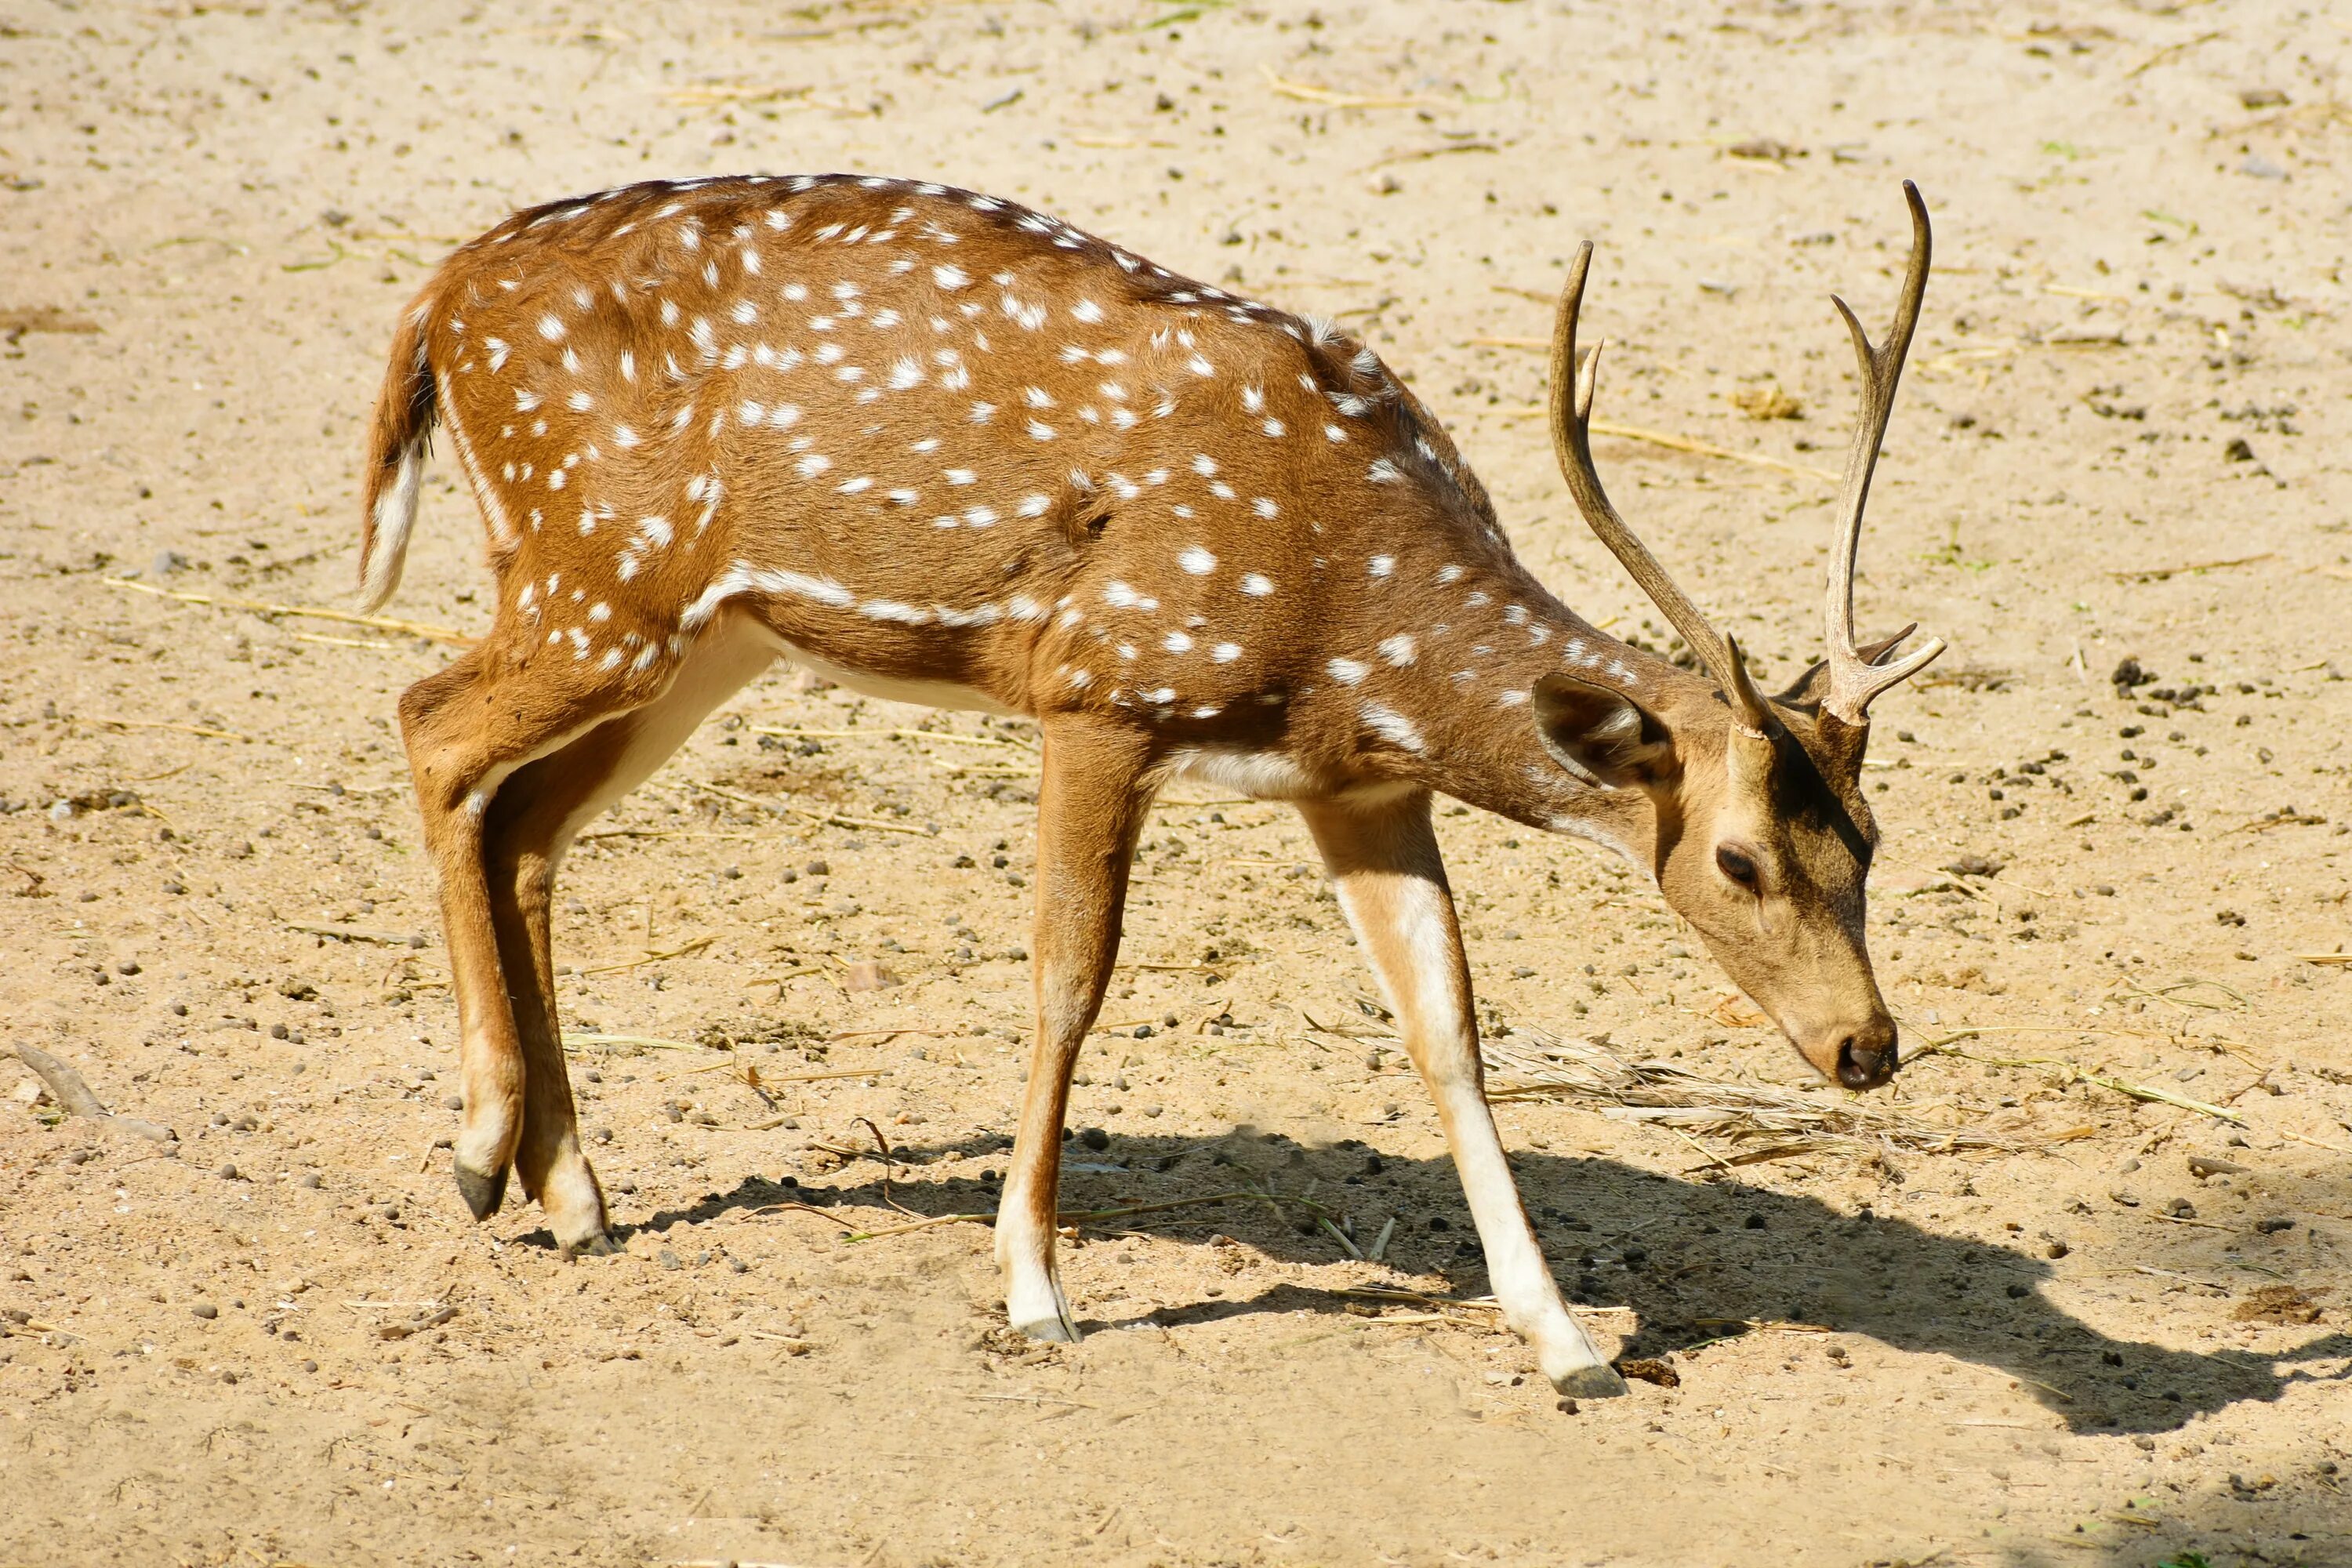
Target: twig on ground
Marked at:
1665, 1094
356, 933
900, 734
1341, 1237
1685, 444
574, 1038
206, 731
2168, 51
2159, 573
221, 601
696, 945
416, 1325
1306, 92
823, 819
65, 1085
1090, 1216
2076, 1073
884, 1145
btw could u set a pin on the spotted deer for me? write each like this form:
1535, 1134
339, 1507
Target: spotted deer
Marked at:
940, 448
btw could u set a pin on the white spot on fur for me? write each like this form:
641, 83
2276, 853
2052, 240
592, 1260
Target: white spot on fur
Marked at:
1390, 726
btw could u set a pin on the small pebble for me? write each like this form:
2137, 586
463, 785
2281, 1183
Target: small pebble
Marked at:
205, 1310
309, 1179
228, 1172
1095, 1138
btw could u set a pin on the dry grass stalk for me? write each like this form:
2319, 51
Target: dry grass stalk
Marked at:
685, 950
2076, 1074
1665, 1094
455, 638
1306, 92
206, 731
1674, 443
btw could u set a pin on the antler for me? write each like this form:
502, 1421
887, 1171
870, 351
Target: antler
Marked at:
1574, 378
1854, 681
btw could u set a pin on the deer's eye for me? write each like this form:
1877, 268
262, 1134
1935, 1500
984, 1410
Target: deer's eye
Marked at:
1735, 866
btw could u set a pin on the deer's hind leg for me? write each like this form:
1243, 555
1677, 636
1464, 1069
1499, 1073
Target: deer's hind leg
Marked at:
539, 810
468, 728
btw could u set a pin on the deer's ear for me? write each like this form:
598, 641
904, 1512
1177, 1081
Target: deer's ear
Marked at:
1598, 733
1814, 684
1807, 691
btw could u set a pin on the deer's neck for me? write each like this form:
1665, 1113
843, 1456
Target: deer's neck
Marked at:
1441, 695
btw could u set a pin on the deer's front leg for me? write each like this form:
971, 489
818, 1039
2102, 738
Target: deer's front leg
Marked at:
1385, 866
1090, 806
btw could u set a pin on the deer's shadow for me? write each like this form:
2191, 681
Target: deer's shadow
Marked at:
1695, 1261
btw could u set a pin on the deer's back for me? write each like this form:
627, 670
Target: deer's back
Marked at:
920, 432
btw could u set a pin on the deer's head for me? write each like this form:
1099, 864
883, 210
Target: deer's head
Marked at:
1762, 838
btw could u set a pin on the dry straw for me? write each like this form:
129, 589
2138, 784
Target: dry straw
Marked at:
1787, 1121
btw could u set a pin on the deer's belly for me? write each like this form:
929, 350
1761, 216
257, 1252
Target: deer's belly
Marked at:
893, 687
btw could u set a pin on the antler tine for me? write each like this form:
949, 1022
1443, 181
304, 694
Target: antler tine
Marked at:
1574, 379
1853, 683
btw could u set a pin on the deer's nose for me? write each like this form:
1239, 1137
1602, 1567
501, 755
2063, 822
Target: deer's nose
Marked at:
1868, 1057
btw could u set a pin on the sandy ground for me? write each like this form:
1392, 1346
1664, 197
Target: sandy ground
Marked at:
275, 1337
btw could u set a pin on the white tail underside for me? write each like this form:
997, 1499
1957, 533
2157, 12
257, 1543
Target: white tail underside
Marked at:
396, 515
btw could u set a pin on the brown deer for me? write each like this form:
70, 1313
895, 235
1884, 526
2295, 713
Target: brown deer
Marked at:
940, 448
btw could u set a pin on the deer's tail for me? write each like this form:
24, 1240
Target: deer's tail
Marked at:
398, 441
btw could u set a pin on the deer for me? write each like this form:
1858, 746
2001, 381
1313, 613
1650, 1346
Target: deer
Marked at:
936, 447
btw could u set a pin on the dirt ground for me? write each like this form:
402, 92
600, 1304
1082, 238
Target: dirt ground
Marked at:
275, 1337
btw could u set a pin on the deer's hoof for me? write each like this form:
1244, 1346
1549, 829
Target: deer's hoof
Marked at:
1598, 1382
483, 1193
1058, 1330
600, 1244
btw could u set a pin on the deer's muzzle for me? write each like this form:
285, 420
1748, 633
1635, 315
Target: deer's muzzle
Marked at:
1867, 1058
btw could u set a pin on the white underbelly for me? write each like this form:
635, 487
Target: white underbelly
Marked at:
924, 693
